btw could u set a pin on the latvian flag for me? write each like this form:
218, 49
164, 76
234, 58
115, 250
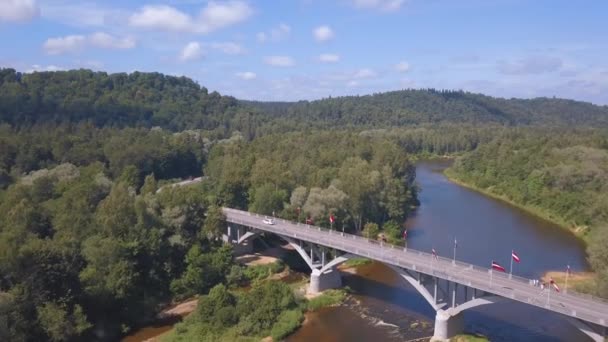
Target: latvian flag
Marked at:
332, 219
434, 253
515, 257
554, 284
497, 266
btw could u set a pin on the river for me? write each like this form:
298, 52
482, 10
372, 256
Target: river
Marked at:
486, 229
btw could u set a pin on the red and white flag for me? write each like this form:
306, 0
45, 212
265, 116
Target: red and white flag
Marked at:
405, 234
309, 220
554, 284
497, 266
332, 219
434, 253
515, 257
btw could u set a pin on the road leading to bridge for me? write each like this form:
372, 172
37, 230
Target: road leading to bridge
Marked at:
583, 307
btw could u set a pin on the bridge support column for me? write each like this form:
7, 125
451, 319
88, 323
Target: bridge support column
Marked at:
321, 281
447, 326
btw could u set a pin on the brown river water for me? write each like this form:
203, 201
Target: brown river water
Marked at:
384, 308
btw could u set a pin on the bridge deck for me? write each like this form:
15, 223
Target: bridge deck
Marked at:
572, 304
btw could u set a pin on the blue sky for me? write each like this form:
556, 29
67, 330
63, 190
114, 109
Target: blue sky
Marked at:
309, 49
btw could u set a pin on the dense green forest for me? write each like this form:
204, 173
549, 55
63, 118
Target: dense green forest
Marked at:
178, 103
89, 249
412, 107
561, 175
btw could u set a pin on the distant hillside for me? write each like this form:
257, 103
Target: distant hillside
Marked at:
177, 103
398, 108
136, 99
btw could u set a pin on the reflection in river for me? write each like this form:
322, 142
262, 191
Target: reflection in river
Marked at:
486, 230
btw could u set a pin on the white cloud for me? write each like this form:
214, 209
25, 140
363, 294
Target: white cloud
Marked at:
365, 73
18, 10
532, 65
75, 43
37, 67
246, 75
83, 13
280, 61
106, 41
59, 45
403, 66
229, 48
329, 58
214, 16
276, 34
382, 5
323, 33
191, 51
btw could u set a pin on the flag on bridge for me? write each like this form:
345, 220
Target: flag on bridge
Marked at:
309, 220
405, 234
568, 271
497, 266
515, 256
434, 253
554, 284
332, 219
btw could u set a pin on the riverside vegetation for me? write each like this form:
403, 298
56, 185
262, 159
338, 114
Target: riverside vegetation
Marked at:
89, 249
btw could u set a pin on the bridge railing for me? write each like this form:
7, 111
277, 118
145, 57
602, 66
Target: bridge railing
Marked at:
429, 269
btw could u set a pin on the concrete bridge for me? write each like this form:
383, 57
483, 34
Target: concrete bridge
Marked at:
449, 286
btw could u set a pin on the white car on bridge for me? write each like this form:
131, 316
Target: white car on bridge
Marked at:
268, 221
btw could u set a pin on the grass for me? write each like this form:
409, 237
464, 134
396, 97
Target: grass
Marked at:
328, 298
583, 282
259, 272
468, 338
288, 322
355, 262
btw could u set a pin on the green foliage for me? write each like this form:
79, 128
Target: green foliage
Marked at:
371, 230
59, 324
392, 230
327, 298
351, 176
203, 270
598, 258
354, 262
222, 316
259, 272
286, 324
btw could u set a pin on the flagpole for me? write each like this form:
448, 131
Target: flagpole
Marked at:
454, 260
567, 274
511, 270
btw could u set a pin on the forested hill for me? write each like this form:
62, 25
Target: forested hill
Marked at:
136, 99
178, 103
432, 106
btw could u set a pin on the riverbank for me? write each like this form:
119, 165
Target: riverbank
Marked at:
578, 232
583, 282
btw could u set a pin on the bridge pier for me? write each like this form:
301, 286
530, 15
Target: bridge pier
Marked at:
321, 281
447, 326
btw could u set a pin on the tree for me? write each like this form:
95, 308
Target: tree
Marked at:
371, 230
215, 222
149, 186
60, 324
266, 199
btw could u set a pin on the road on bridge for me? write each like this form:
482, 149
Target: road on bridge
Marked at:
583, 307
